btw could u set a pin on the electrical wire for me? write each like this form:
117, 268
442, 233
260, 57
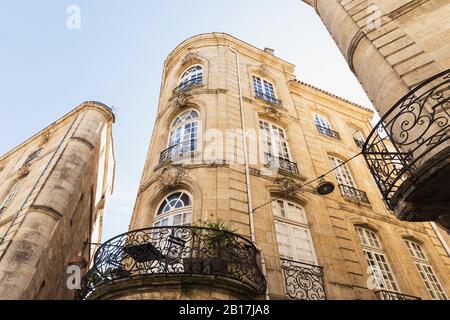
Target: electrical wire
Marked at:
309, 182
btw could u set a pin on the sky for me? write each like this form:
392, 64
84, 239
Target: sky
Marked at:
117, 55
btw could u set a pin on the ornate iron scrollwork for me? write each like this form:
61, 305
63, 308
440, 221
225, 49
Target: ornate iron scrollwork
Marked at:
183, 250
280, 163
416, 125
391, 295
303, 281
353, 194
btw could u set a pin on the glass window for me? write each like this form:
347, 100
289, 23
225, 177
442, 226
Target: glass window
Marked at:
376, 259
274, 140
343, 175
263, 88
426, 271
321, 121
184, 131
33, 156
193, 75
174, 210
292, 233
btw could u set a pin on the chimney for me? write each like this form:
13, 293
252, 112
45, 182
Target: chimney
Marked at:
269, 51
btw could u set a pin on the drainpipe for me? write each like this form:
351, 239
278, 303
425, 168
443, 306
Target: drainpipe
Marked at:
247, 173
244, 142
440, 237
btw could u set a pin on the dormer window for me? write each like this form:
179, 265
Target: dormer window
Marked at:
264, 90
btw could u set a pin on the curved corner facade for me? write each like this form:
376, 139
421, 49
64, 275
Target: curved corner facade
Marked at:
200, 175
52, 195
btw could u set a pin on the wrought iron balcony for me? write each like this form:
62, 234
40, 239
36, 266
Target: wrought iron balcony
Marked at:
328, 132
353, 194
303, 281
188, 84
280, 163
359, 143
180, 251
179, 150
269, 99
415, 126
391, 295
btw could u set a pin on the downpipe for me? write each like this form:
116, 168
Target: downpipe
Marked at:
247, 172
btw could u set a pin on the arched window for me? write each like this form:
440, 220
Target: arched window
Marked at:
192, 76
183, 137
292, 232
377, 261
426, 271
275, 146
174, 210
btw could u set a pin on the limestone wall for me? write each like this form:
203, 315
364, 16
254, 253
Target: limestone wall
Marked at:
54, 210
219, 189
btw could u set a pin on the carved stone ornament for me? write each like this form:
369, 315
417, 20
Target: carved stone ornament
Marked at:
263, 70
288, 186
181, 100
191, 56
24, 170
272, 113
2, 166
45, 138
172, 175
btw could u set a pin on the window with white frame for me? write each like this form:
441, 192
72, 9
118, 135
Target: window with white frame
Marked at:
377, 261
264, 89
426, 271
358, 138
343, 175
321, 121
174, 210
11, 195
184, 132
192, 76
274, 140
292, 232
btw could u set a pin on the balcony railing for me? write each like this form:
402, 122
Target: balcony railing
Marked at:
179, 150
353, 194
188, 84
269, 99
391, 295
328, 132
180, 251
303, 281
416, 125
280, 163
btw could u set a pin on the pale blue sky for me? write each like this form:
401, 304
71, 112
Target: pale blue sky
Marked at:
117, 57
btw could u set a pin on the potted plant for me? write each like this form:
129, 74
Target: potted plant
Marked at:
220, 240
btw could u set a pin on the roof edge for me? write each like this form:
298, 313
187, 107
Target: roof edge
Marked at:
96, 104
333, 95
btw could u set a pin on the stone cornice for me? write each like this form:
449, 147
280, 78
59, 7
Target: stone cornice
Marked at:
224, 39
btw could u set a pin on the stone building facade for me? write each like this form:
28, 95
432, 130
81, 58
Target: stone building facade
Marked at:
239, 140
53, 189
400, 52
